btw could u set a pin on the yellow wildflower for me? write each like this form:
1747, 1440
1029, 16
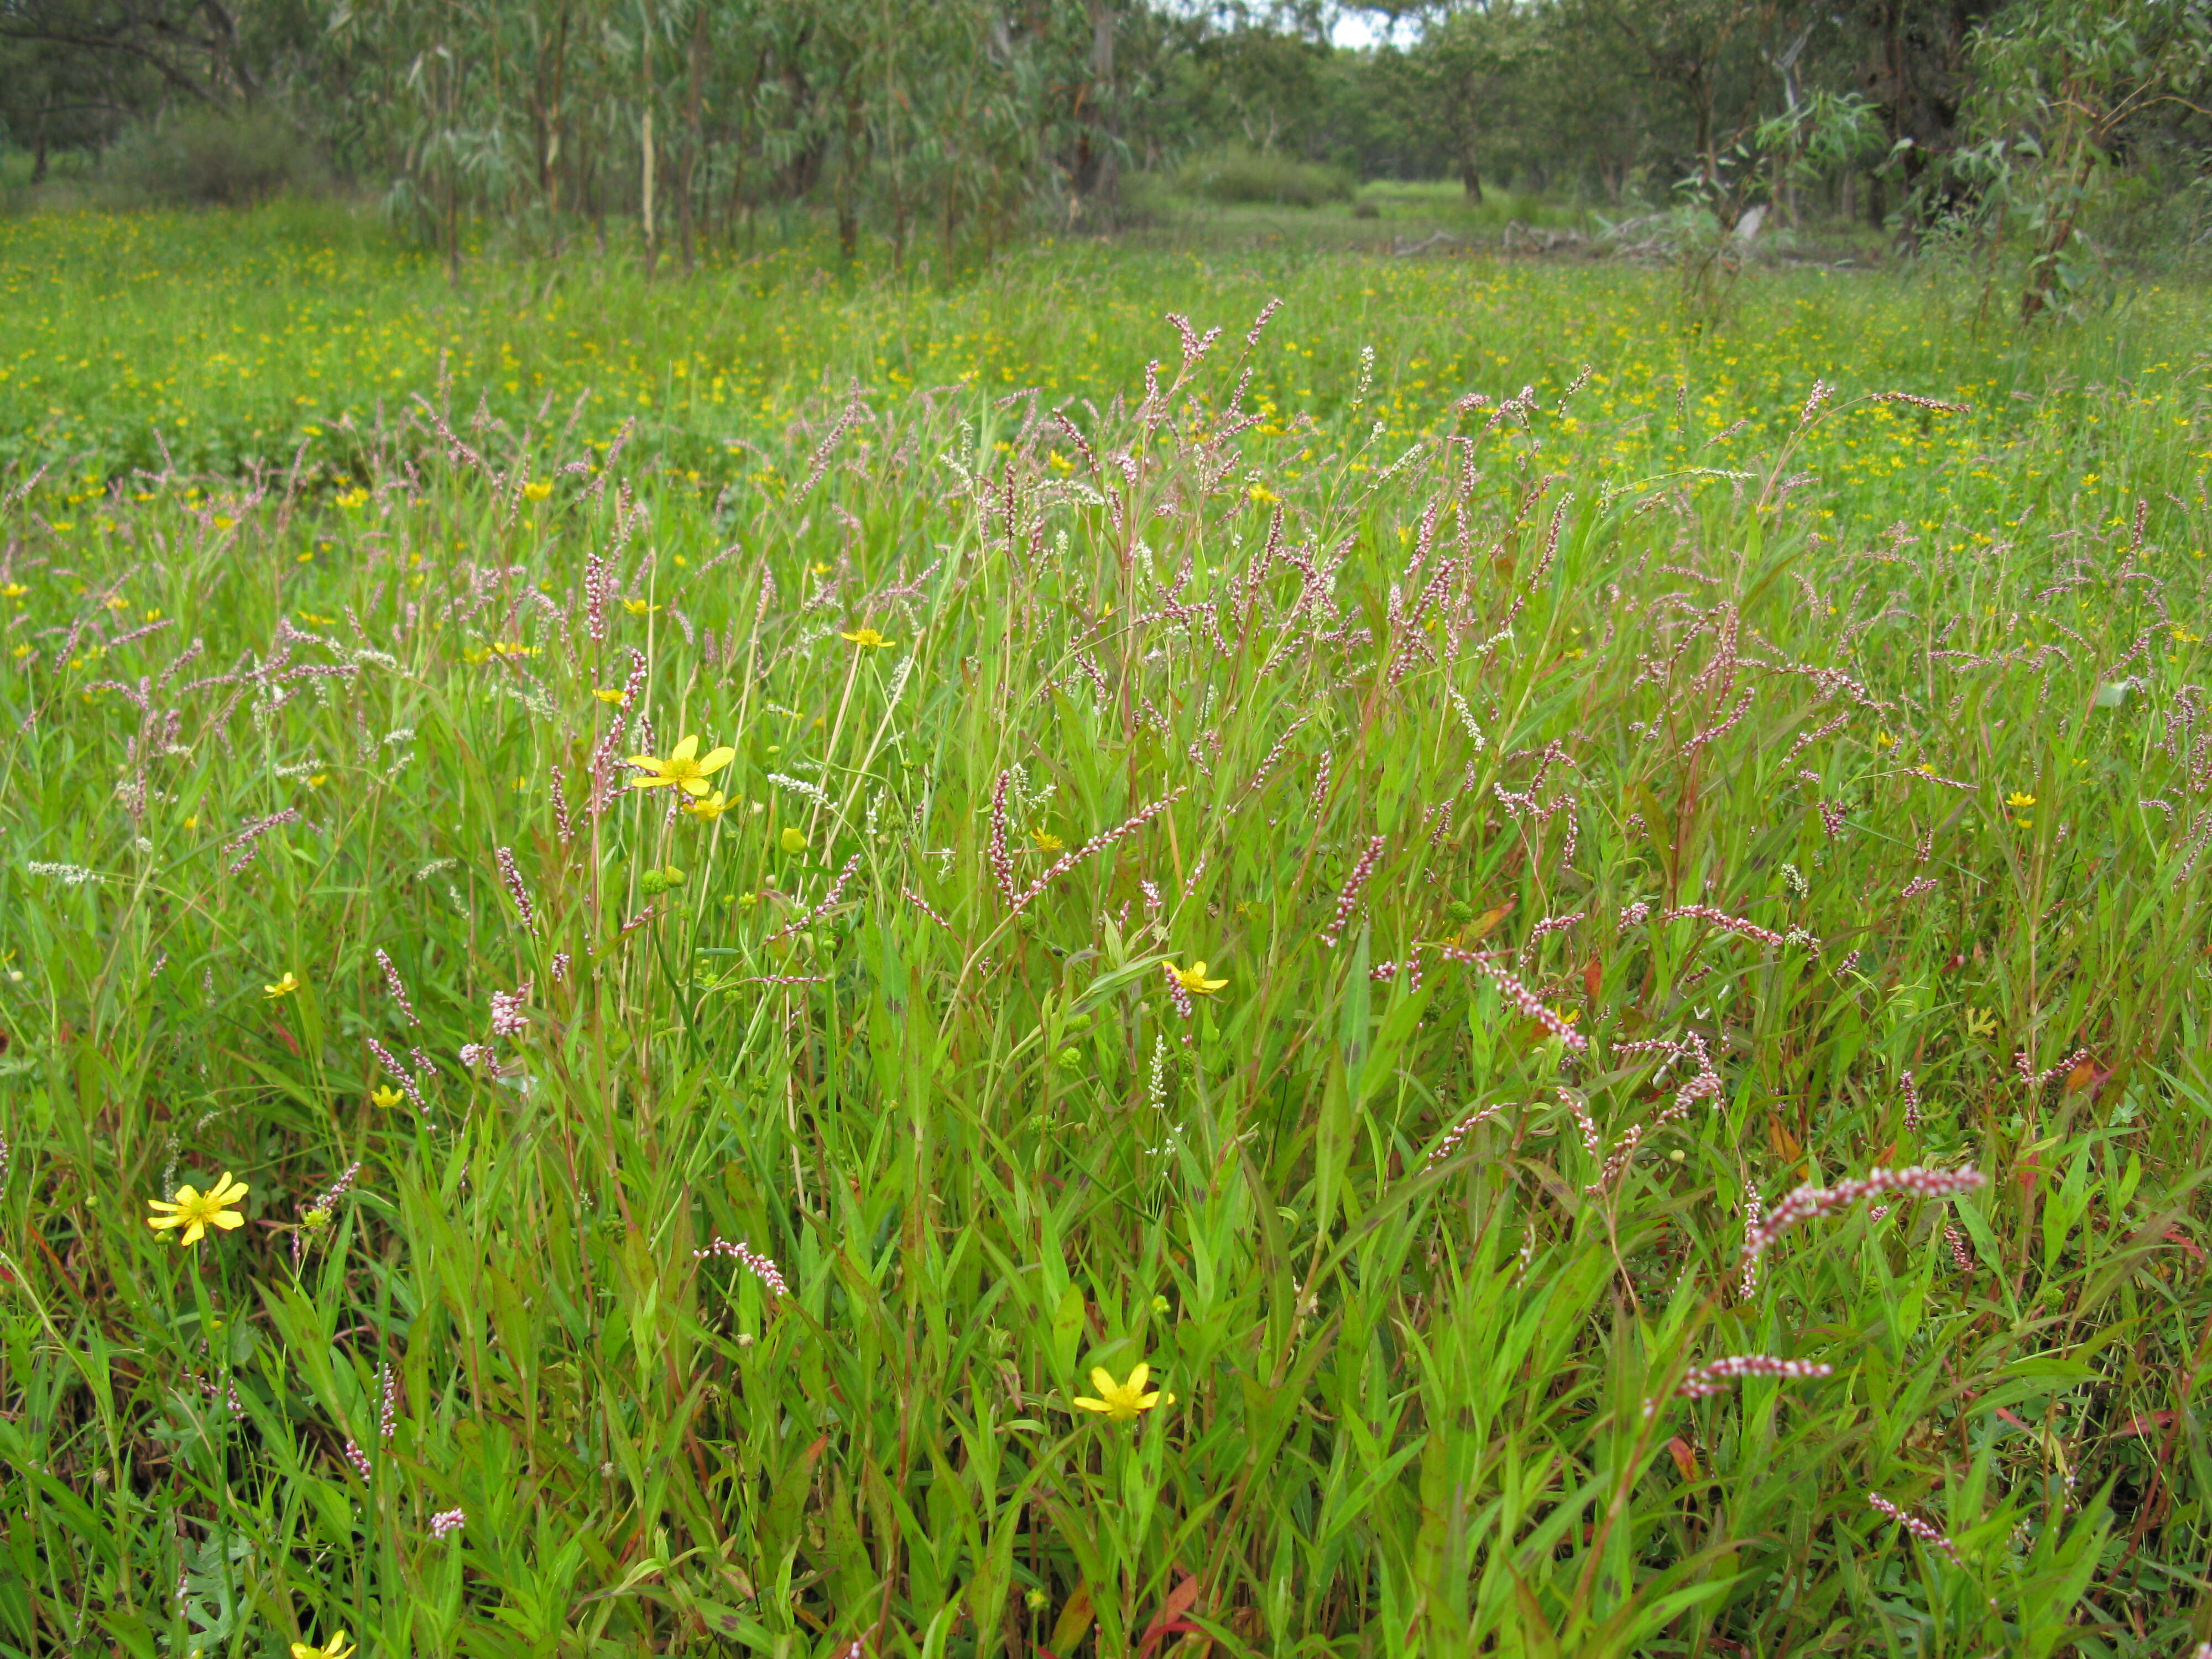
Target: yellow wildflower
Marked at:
2016, 801
318, 779
195, 1212
283, 987
13, 590
867, 639
682, 769
1046, 841
793, 839
639, 607
386, 1097
340, 1647
1120, 1402
614, 695
1193, 979
537, 490
710, 808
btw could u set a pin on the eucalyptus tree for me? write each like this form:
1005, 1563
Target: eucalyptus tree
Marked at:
2059, 88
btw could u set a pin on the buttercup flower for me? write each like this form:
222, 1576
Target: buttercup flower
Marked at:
1046, 841
283, 987
340, 1647
195, 1212
867, 639
386, 1096
794, 840
1193, 979
2017, 800
638, 607
610, 695
710, 808
537, 490
1120, 1402
682, 769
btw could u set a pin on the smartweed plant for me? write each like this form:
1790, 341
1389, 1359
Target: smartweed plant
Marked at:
1100, 1022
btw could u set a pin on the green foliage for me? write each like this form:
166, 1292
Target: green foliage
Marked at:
203, 157
1423, 1279
2058, 88
1238, 175
943, 132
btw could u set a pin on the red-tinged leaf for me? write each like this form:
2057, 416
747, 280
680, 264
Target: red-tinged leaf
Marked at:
2144, 1423
2010, 1418
1171, 1620
1481, 928
2175, 1235
1685, 1458
1593, 977
1074, 1621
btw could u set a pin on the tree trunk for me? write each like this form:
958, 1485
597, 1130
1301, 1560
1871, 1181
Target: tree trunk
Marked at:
645, 131
693, 139
1701, 93
549, 175
1100, 170
645, 139
848, 181
2043, 270
1470, 181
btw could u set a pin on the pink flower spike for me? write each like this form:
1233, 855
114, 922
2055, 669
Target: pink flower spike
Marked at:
752, 1261
1176, 990
1519, 995
516, 889
1919, 1528
1348, 901
1808, 1201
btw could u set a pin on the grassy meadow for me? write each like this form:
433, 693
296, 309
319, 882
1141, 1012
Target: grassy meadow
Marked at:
1354, 866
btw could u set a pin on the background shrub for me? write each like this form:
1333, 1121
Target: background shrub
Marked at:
1238, 174
212, 158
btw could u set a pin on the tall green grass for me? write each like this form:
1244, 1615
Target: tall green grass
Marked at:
1422, 1278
